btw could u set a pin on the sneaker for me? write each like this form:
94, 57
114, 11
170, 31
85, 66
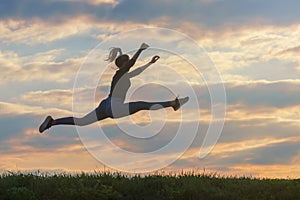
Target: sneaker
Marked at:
180, 102
46, 124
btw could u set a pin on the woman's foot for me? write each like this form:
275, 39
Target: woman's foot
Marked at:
179, 102
46, 124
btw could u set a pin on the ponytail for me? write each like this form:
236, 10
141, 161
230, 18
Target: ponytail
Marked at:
113, 54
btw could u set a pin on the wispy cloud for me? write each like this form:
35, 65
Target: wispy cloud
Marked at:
21, 68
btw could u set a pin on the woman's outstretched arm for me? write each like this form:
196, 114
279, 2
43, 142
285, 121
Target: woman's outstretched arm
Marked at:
139, 70
132, 61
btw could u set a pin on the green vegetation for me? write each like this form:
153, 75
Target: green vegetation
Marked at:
118, 186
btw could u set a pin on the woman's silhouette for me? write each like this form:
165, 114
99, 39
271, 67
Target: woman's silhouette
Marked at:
114, 106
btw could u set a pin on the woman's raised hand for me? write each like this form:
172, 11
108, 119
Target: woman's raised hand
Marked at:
144, 46
154, 59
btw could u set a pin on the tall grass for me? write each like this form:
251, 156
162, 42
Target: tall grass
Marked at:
119, 186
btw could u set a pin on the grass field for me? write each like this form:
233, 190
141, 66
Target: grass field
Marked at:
117, 186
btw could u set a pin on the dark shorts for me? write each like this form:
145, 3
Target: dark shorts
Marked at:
104, 109
113, 108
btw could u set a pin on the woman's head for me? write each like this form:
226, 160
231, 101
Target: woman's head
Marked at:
120, 59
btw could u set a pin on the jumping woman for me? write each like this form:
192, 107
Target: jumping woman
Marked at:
114, 105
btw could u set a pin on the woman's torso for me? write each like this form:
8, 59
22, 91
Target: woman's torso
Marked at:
120, 85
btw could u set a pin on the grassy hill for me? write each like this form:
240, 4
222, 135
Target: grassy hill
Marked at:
118, 186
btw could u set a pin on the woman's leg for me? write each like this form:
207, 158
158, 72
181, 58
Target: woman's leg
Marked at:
92, 117
49, 121
96, 115
86, 120
119, 110
142, 105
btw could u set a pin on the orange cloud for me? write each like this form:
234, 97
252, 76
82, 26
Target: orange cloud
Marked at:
13, 109
65, 159
266, 171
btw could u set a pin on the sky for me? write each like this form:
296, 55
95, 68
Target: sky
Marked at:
250, 47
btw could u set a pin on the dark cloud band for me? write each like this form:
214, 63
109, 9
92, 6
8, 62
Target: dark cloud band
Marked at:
216, 13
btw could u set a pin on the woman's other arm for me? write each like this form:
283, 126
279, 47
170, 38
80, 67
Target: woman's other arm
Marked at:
139, 70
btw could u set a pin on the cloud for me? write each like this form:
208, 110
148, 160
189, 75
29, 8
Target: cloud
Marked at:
213, 14
268, 93
49, 98
254, 48
245, 53
33, 32
34, 67
291, 54
64, 98
235, 138
284, 154
36, 31
91, 2
70, 158
251, 46
242, 146
49, 9
273, 154
257, 128
15, 109
20, 141
290, 171
293, 50
234, 147
240, 158
209, 13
